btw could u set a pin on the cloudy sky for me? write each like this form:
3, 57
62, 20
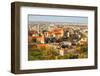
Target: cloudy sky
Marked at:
46, 18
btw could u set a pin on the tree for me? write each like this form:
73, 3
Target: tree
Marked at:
35, 54
70, 56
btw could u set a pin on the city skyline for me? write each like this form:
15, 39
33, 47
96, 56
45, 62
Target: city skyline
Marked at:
57, 37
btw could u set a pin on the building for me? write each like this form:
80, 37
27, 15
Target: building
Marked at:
56, 32
83, 41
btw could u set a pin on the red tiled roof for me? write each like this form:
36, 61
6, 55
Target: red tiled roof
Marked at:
43, 45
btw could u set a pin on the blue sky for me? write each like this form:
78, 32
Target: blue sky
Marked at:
46, 18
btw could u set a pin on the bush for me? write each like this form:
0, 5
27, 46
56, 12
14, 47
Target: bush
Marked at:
42, 53
71, 56
35, 54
